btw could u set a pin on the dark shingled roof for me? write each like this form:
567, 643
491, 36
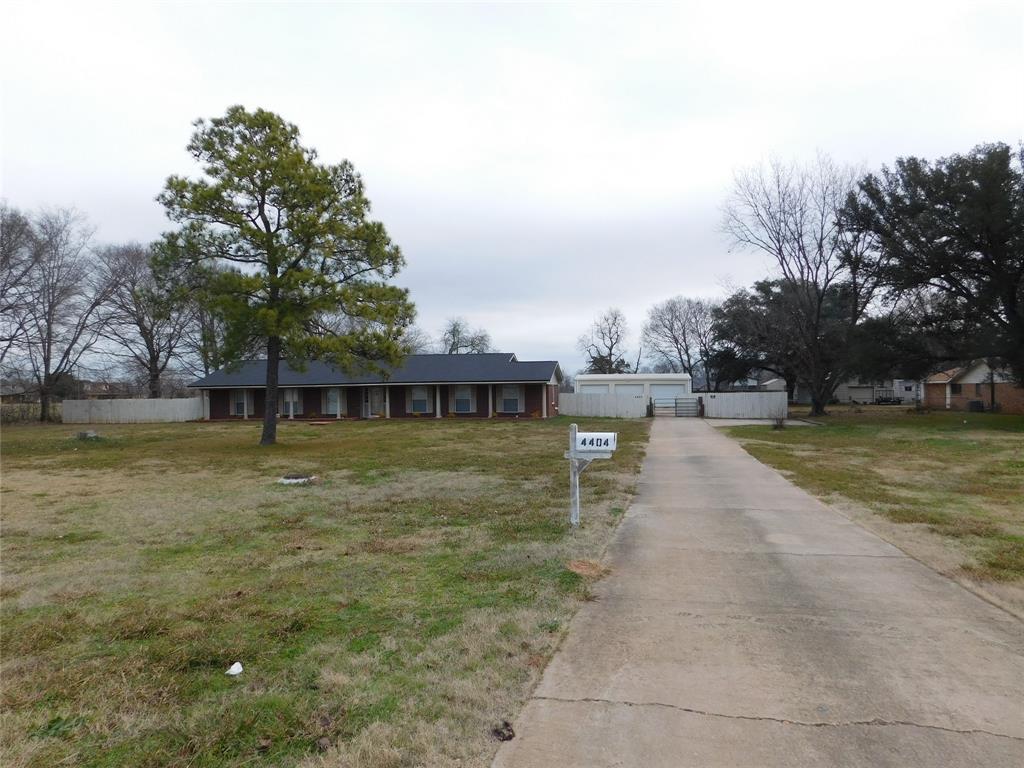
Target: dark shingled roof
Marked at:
416, 369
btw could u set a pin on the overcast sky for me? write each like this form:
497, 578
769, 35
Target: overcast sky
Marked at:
536, 163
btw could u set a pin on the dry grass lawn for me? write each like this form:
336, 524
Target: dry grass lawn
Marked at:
391, 616
950, 486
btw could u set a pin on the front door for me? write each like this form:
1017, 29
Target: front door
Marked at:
374, 402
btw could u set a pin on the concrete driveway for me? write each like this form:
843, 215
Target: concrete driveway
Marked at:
746, 624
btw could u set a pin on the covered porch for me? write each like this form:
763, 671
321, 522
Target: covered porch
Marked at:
432, 400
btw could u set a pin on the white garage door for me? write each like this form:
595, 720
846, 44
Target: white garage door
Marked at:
594, 389
637, 390
668, 390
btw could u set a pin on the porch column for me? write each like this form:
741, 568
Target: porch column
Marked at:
337, 404
245, 404
437, 401
206, 405
490, 401
291, 403
545, 395
949, 395
387, 402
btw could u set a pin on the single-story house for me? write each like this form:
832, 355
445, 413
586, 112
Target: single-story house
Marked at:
957, 388
484, 385
649, 386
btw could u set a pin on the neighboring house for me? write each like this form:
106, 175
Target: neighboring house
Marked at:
971, 388
492, 384
894, 391
646, 385
17, 393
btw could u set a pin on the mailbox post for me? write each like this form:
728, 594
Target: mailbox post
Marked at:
584, 447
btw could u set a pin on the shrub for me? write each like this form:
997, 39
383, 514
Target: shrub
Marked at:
15, 413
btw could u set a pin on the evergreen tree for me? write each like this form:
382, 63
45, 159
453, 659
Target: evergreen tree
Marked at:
298, 235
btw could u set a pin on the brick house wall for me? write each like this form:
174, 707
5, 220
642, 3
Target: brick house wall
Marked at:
220, 403
1009, 397
935, 396
534, 400
481, 400
552, 393
353, 402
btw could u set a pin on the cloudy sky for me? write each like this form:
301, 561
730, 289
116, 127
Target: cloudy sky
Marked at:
537, 163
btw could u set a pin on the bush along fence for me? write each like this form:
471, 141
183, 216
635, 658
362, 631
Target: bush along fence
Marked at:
16, 413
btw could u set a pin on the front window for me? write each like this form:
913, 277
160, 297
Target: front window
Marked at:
288, 403
510, 398
239, 402
420, 400
332, 401
954, 389
463, 399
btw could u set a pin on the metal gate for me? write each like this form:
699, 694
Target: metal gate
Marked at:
676, 406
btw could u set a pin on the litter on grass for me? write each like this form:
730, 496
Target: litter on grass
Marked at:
296, 479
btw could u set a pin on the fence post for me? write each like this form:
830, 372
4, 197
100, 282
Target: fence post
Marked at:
574, 481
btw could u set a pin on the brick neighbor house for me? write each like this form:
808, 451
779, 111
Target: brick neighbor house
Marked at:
957, 388
425, 386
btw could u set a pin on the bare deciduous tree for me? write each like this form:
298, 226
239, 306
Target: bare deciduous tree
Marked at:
458, 338
680, 336
145, 324
18, 254
417, 340
668, 335
605, 344
64, 320
202, 339
792, 212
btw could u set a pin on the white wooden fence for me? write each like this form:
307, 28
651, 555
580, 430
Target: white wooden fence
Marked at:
596, 404
717, 405
745, 405
132, 411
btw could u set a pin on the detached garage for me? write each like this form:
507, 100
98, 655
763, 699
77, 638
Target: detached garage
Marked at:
642, 385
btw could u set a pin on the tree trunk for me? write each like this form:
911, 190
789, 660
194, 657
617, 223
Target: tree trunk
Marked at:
269, 436
821, 393
154, 384
44, 403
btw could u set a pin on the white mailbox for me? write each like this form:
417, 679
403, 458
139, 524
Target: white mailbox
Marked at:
584, 447
595, 441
